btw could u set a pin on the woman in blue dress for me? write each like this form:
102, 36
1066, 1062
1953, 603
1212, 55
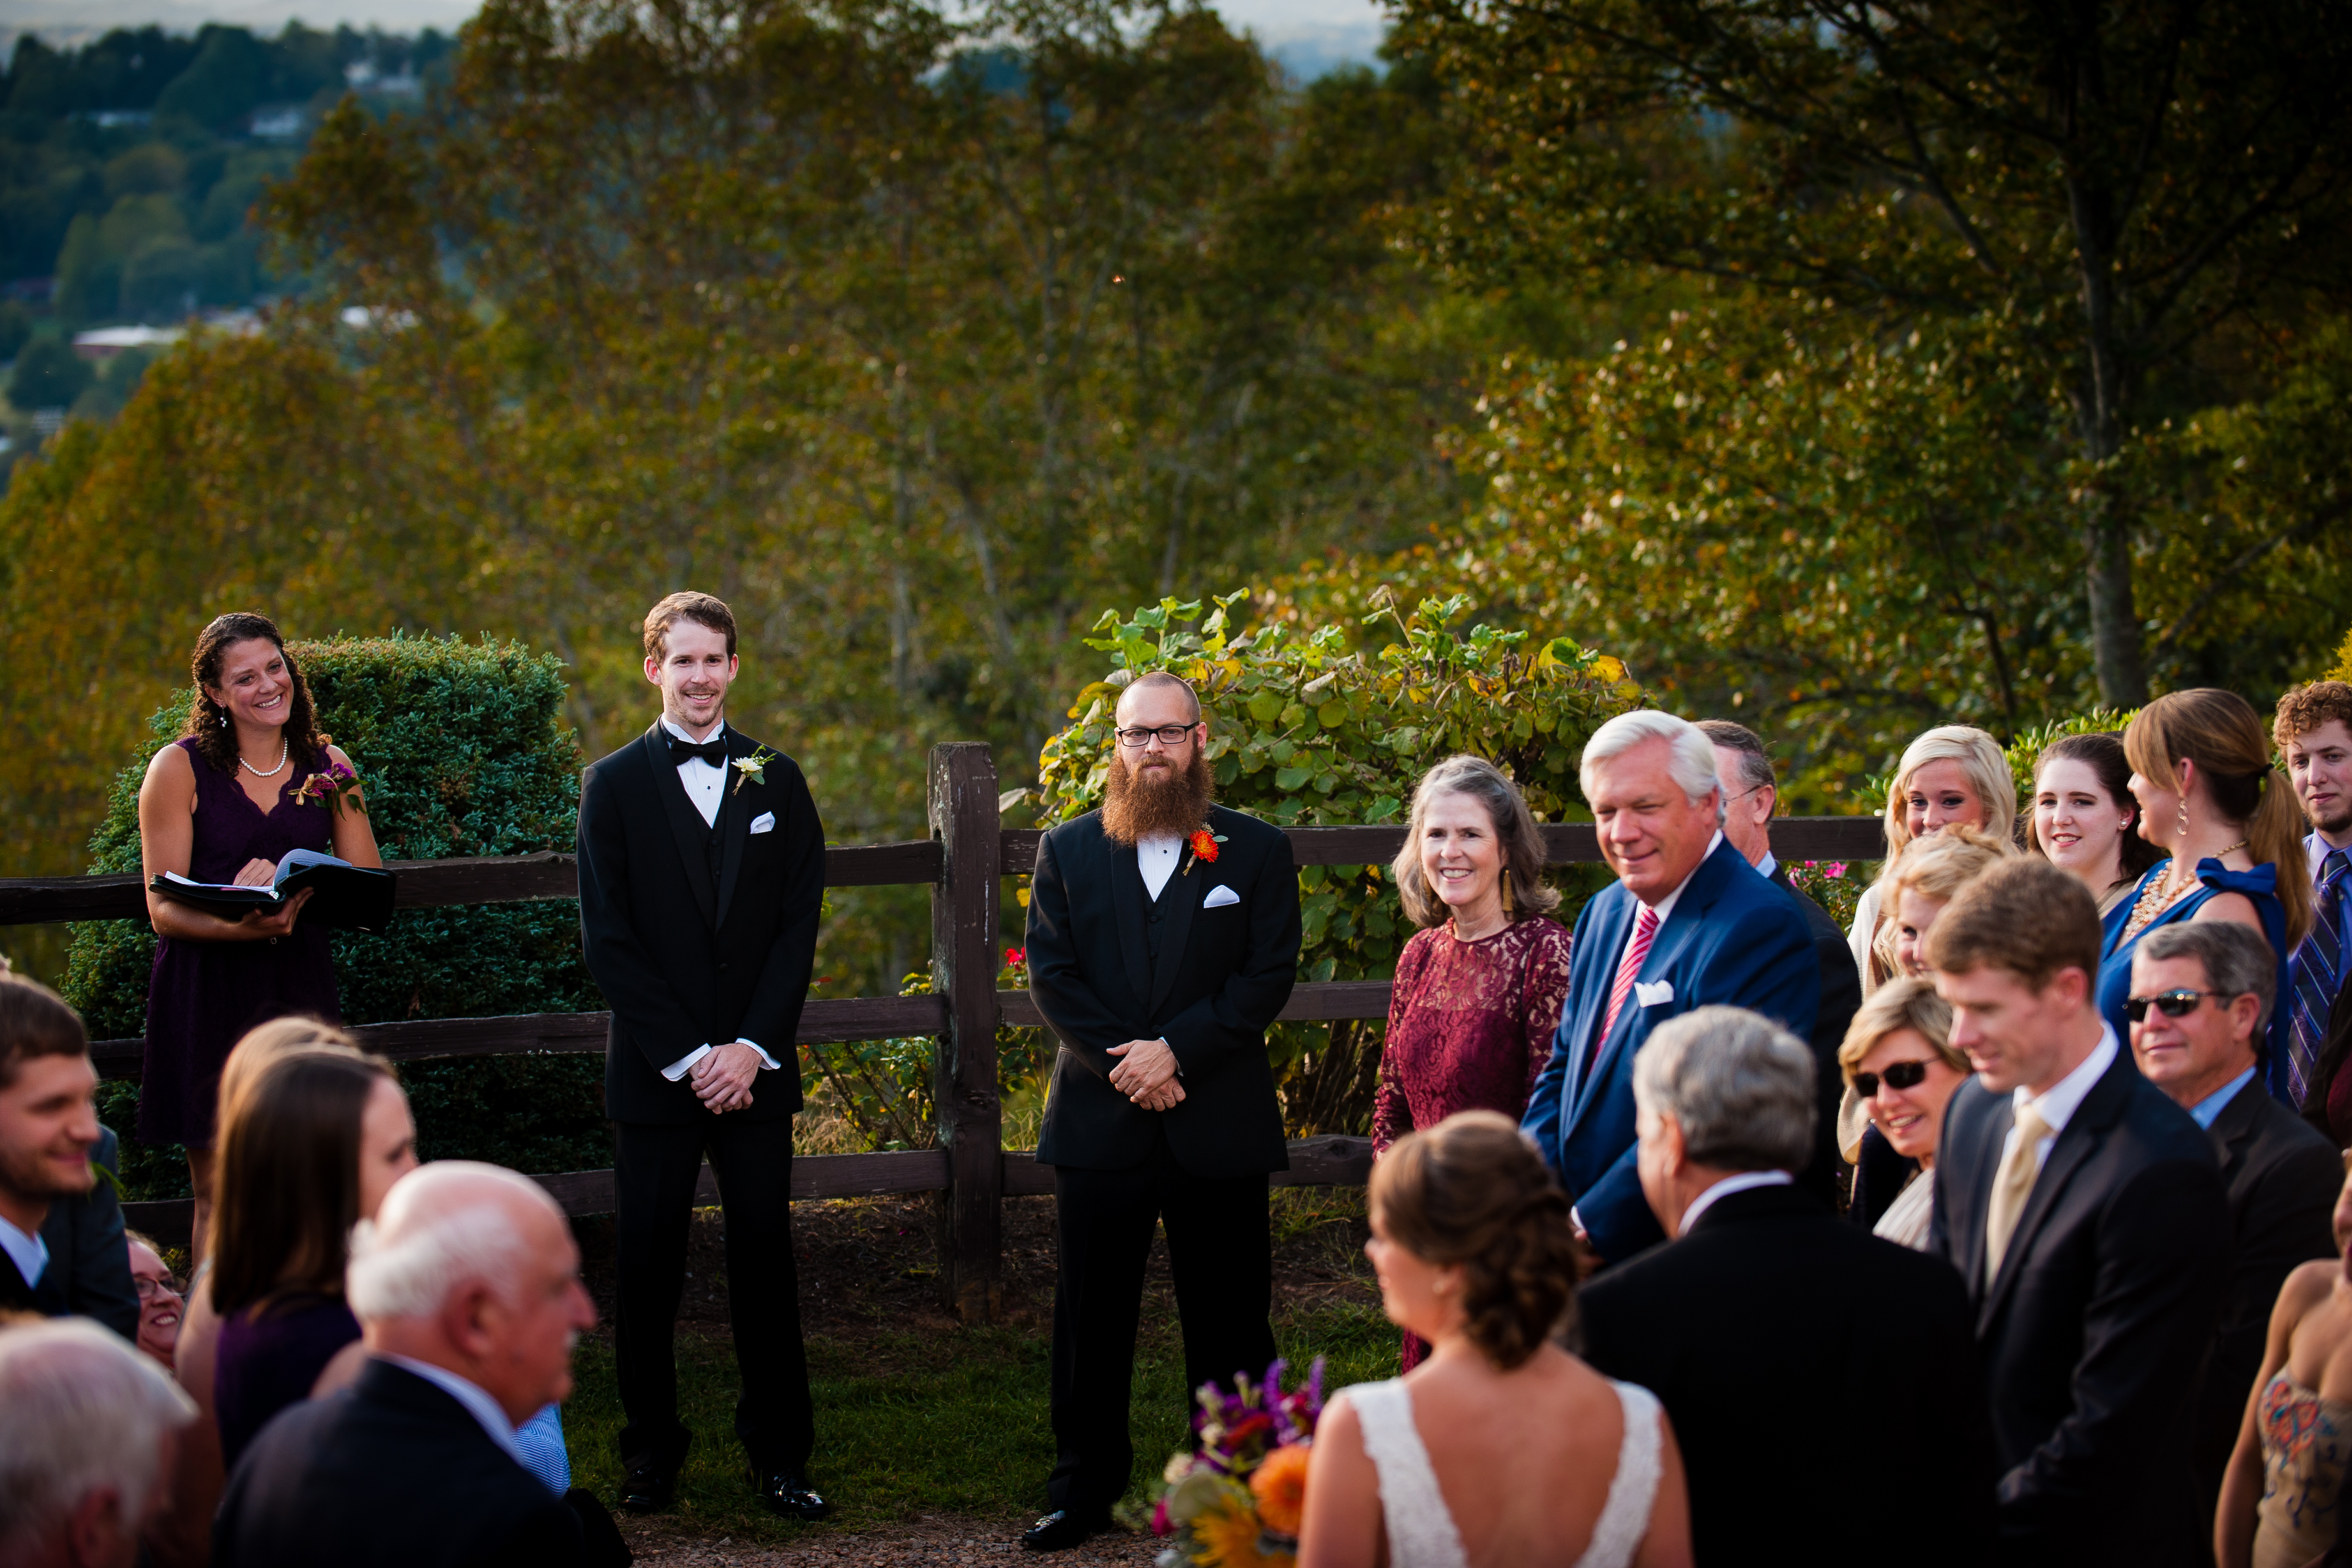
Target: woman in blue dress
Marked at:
2202, 772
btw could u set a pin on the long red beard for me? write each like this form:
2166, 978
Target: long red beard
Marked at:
1144, 804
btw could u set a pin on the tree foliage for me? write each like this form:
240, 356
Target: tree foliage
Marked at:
2122, 189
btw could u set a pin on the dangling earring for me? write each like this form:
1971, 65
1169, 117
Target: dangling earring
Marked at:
2181, 823
1507, 889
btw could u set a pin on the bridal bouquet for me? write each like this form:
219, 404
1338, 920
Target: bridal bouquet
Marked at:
1237, 1503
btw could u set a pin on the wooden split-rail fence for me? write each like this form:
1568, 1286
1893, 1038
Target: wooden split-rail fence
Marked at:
964, 864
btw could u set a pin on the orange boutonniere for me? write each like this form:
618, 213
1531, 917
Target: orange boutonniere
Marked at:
1201, 846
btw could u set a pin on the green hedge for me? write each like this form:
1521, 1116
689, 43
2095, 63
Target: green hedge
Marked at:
464, 751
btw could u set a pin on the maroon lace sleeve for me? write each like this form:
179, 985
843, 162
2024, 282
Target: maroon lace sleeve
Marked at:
1546, 993
1392, 1112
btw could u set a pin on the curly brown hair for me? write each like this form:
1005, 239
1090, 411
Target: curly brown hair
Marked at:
1473, 1191
2305, 708
207, 723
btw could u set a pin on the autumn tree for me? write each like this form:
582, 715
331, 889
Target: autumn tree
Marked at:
2137, 193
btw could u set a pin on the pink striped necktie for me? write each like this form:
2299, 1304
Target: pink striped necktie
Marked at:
1644, 928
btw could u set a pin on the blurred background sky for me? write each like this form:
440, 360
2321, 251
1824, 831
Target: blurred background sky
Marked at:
1309, 36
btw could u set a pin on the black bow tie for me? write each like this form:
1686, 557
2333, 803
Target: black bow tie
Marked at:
713, 751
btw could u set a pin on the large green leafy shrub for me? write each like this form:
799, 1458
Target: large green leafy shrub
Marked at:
1317, 727
464, 751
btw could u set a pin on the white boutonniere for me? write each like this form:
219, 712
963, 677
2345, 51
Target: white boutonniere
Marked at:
752, 769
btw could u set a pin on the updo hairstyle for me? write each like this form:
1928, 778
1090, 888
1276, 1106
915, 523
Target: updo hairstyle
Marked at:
1473, 1191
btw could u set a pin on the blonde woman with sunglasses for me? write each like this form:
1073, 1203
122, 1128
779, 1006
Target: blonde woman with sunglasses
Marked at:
1900, 1064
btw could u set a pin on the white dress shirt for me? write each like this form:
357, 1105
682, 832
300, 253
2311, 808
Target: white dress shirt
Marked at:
2056, 1106
1767, 866
1745, 1181
476, 1401
29, 1253
1155, 857
706, 785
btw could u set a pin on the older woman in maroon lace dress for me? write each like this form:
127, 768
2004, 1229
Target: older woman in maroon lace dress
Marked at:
1478, 992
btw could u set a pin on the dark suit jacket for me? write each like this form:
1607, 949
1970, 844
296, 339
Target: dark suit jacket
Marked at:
686, 960
1778, 1337
89, 1273
1841, 996
2094, 1333
1732, 938
2335, 1055
391, 1472
1222, 976
2281, 1180
89, 1263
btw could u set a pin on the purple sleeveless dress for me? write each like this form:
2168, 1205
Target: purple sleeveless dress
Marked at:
204, 996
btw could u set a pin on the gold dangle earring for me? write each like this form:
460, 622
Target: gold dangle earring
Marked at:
1507, 889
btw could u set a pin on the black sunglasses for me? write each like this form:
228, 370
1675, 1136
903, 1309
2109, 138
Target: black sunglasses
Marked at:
2171, 1004
1898, 1075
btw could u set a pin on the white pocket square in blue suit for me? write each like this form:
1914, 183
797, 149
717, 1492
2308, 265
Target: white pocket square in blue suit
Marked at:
1652, 993
765, 822
1219, 896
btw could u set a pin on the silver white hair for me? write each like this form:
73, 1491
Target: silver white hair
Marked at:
428, 1259
1739, 1086
1693, 756
84, 1413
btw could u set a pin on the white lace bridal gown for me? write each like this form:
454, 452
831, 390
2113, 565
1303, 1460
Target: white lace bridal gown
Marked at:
1420, 1529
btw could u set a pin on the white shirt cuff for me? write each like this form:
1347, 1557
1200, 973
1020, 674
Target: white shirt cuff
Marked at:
685, 1064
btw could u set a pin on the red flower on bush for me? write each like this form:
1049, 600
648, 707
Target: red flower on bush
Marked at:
1015, 956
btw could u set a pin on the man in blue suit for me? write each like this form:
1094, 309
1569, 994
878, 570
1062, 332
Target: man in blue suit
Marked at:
1689, 924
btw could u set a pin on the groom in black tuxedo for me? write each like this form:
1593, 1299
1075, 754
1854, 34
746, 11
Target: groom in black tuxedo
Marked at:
1163, 939
701, 878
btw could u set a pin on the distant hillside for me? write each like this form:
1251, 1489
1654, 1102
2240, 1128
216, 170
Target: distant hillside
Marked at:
128, 167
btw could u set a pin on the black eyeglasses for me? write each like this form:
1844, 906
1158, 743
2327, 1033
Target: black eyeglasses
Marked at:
1169, 733
2171, 1004
1898, 1075
150, 1289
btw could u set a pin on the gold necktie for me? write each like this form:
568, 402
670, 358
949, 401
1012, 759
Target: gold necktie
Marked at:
2011, 1186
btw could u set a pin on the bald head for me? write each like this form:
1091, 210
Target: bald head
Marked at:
472, 1268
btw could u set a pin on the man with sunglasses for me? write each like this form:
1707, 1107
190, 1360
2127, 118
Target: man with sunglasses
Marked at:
1163, 939
2086, 1212
2202, 996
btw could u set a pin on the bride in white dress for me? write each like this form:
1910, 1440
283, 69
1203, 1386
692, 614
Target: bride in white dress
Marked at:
1501, 1450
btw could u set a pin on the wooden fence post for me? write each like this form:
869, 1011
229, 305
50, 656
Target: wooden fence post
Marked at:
964, 963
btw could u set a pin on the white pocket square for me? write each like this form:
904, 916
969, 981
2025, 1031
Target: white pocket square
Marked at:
765, 822
1650, 993
1219, 896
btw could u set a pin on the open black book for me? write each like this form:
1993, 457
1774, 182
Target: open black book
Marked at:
346, 895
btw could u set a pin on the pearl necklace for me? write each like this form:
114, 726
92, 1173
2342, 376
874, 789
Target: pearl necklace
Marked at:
282, 754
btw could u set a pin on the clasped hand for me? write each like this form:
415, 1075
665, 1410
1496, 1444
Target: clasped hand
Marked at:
723, 1079
1147, 1075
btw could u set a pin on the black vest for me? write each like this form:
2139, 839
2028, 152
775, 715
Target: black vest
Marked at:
1155, 914
714, 840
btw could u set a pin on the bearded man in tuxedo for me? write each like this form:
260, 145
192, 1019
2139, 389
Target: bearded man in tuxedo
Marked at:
702, 879
1163, 939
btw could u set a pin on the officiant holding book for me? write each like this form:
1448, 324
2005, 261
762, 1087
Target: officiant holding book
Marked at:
250, 780
701, 882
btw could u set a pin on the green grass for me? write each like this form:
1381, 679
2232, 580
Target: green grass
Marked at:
950, 1422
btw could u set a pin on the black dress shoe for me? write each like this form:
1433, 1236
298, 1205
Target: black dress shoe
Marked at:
1063, 1528
787, 1492
648, 1487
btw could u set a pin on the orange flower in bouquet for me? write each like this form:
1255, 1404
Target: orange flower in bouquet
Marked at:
1238, 1501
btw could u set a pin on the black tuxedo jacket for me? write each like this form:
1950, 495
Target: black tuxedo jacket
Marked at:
1222, 976
2281, 1179
391, 1472
1777, 1336
2096, 1331
687, 959
1841, 996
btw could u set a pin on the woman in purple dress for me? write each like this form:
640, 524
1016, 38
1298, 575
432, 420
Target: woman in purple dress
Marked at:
1478, 992
250, 778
